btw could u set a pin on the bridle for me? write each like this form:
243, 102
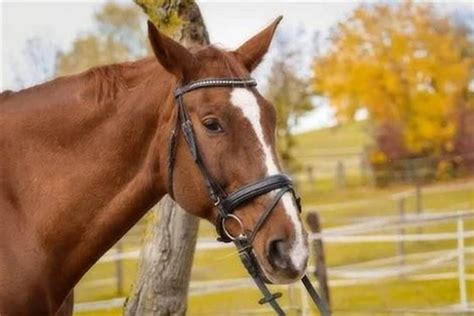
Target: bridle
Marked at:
228, 203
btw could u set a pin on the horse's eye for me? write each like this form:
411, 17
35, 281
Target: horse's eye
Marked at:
212, 125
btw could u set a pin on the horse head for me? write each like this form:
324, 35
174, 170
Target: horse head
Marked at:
229, 145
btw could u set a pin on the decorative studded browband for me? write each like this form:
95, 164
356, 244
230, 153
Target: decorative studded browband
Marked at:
228, 203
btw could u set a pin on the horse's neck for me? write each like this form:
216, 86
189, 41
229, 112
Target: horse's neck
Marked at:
93, 163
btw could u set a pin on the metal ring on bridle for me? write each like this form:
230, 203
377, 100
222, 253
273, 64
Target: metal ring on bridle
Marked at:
238, 220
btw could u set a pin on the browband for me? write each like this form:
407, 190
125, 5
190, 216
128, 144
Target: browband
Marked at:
217, 82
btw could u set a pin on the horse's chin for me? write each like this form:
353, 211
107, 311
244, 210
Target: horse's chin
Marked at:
277, 278
272, 276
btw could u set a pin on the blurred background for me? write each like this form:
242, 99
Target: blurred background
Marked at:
376, 125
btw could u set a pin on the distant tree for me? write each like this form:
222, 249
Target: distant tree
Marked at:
38, 62
118, 36
289, 89
408, 66
464, 142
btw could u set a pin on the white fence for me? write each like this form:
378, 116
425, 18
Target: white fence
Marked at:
411, 266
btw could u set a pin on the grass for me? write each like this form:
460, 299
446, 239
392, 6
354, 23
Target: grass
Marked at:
352, 204
224, 264
397, 294
334, 140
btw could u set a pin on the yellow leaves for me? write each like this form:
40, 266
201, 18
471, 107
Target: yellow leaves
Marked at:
377, 157
406, 65
91, 51
429, 136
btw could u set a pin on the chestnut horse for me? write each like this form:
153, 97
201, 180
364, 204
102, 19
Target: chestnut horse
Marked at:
84, 157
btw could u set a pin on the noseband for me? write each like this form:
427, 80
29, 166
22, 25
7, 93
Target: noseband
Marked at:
228, 203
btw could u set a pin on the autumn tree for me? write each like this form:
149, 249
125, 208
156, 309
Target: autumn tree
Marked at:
408, 66
464, 143
289, 91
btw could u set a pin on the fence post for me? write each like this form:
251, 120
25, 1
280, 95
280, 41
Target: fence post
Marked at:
363, 168
119, 268
461, 264
320, 272
401, 231
419, 203
292, 299
310, 174
340, 175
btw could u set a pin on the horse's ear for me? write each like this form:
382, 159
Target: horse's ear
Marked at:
175, 58
252, 51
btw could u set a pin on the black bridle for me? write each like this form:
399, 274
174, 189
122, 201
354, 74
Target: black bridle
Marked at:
228, 203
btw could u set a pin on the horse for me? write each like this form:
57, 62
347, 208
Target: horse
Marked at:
84, 157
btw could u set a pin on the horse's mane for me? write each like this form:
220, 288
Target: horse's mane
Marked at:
110, 80
106, 82
5, 94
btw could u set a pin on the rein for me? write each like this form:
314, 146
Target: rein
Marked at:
228, 203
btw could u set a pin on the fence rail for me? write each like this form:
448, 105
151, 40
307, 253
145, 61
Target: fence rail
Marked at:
416, 267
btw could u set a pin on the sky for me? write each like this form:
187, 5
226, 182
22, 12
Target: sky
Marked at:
229, 24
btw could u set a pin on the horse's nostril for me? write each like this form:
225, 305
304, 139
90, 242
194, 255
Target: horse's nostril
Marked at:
278, 254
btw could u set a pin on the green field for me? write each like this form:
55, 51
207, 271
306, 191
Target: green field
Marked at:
352, 204
334, 139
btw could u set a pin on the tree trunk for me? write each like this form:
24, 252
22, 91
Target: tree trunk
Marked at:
161, 286
165, 264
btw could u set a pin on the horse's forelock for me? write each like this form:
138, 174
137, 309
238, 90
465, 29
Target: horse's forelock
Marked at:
214, 61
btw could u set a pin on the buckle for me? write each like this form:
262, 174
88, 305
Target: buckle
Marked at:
217, 200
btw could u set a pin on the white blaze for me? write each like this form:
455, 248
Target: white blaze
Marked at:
246, 101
